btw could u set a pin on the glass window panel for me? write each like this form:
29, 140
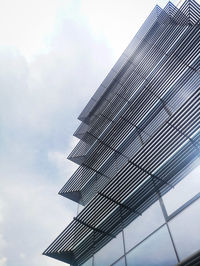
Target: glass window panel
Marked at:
80, 208
156, 250
144, 225
188, 187
120, 262
110, 252
185, 229
88, 262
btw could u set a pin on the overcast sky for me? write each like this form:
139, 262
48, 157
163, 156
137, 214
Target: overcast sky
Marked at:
53, 56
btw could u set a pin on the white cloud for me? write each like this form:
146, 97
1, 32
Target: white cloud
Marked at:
32, 217
38, 108
3, 261
59, 159
2, 241
27, 24
116, 21
72, 46
22, 255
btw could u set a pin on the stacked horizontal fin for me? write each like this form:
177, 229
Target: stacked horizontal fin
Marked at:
144, 87
138, 131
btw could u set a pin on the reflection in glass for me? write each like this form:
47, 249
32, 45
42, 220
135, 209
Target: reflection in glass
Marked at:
156, 250
80, 208
185, 229
88, 263
110, 252
187, 188
120, 262
141, 227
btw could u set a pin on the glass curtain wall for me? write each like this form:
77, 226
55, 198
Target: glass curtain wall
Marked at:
166, 233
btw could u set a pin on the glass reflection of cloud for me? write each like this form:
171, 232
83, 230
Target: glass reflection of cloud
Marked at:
185, 229
156, 250
187, 188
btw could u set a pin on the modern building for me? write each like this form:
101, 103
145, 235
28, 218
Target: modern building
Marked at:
138, 181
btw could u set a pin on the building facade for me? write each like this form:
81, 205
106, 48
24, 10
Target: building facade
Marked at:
138, 181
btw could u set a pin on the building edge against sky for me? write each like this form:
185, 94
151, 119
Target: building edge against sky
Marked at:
138, 153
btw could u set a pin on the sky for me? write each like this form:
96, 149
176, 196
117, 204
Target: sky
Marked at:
53, 56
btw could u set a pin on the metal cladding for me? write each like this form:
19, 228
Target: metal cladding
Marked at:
138, 130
